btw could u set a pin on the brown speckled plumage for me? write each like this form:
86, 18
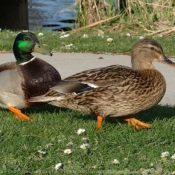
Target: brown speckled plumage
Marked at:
116, 90
136, 92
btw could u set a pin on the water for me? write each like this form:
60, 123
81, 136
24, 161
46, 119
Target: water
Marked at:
54, 14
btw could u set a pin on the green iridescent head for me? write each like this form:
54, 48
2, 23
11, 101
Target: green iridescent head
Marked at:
25, 43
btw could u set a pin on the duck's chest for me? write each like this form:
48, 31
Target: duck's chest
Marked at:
11, 93
38, 76
149, 89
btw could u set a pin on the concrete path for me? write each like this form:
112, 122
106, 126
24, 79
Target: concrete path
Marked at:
71, 63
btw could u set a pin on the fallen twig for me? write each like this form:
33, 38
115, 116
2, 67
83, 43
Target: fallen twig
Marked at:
94, 24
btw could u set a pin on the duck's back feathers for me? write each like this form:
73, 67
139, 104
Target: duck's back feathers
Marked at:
111, 75
99, 77
7, 66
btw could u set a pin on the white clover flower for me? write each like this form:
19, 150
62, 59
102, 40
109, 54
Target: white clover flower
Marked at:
109, 40
58, 166
145, 171
40, 34
126, 159
94, 166
80, 131
48, 145
67, 151
85, 139
64, 36
42, 152
115, 161
68, 46
70, 144
151, 164
85, 36
173, 156
101, 34
84, 146
141, 37
128, 34
173, 172
165, 154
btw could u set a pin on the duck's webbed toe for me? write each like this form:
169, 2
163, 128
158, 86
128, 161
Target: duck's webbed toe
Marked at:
19, 115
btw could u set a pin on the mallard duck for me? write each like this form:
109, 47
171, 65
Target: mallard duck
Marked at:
115, 91
25, 78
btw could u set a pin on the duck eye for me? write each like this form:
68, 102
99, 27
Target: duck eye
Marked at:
152, 48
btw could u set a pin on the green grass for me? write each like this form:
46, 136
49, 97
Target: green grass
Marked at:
135, 149
94, 43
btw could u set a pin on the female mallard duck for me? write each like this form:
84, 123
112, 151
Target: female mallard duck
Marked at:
25, 78
116, 91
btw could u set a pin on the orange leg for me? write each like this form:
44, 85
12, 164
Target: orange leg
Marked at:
19, 114
99, 122
138, 124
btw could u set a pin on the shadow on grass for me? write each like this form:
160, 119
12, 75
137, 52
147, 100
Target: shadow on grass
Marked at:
158, 112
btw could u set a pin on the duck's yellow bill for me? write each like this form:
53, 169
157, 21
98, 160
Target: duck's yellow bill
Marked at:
38, 48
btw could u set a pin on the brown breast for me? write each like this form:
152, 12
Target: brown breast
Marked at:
37, 77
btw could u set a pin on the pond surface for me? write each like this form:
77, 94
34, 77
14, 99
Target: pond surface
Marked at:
54, 14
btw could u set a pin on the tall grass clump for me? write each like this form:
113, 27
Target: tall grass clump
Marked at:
155, 17
145, 16
91, 11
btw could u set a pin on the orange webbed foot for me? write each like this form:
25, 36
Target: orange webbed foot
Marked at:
138, 124
99, 122
19, 115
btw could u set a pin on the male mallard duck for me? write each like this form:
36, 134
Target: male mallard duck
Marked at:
116, 91
25, 78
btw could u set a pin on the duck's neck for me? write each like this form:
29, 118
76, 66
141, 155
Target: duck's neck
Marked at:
141, 66
22, 58
139, 62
